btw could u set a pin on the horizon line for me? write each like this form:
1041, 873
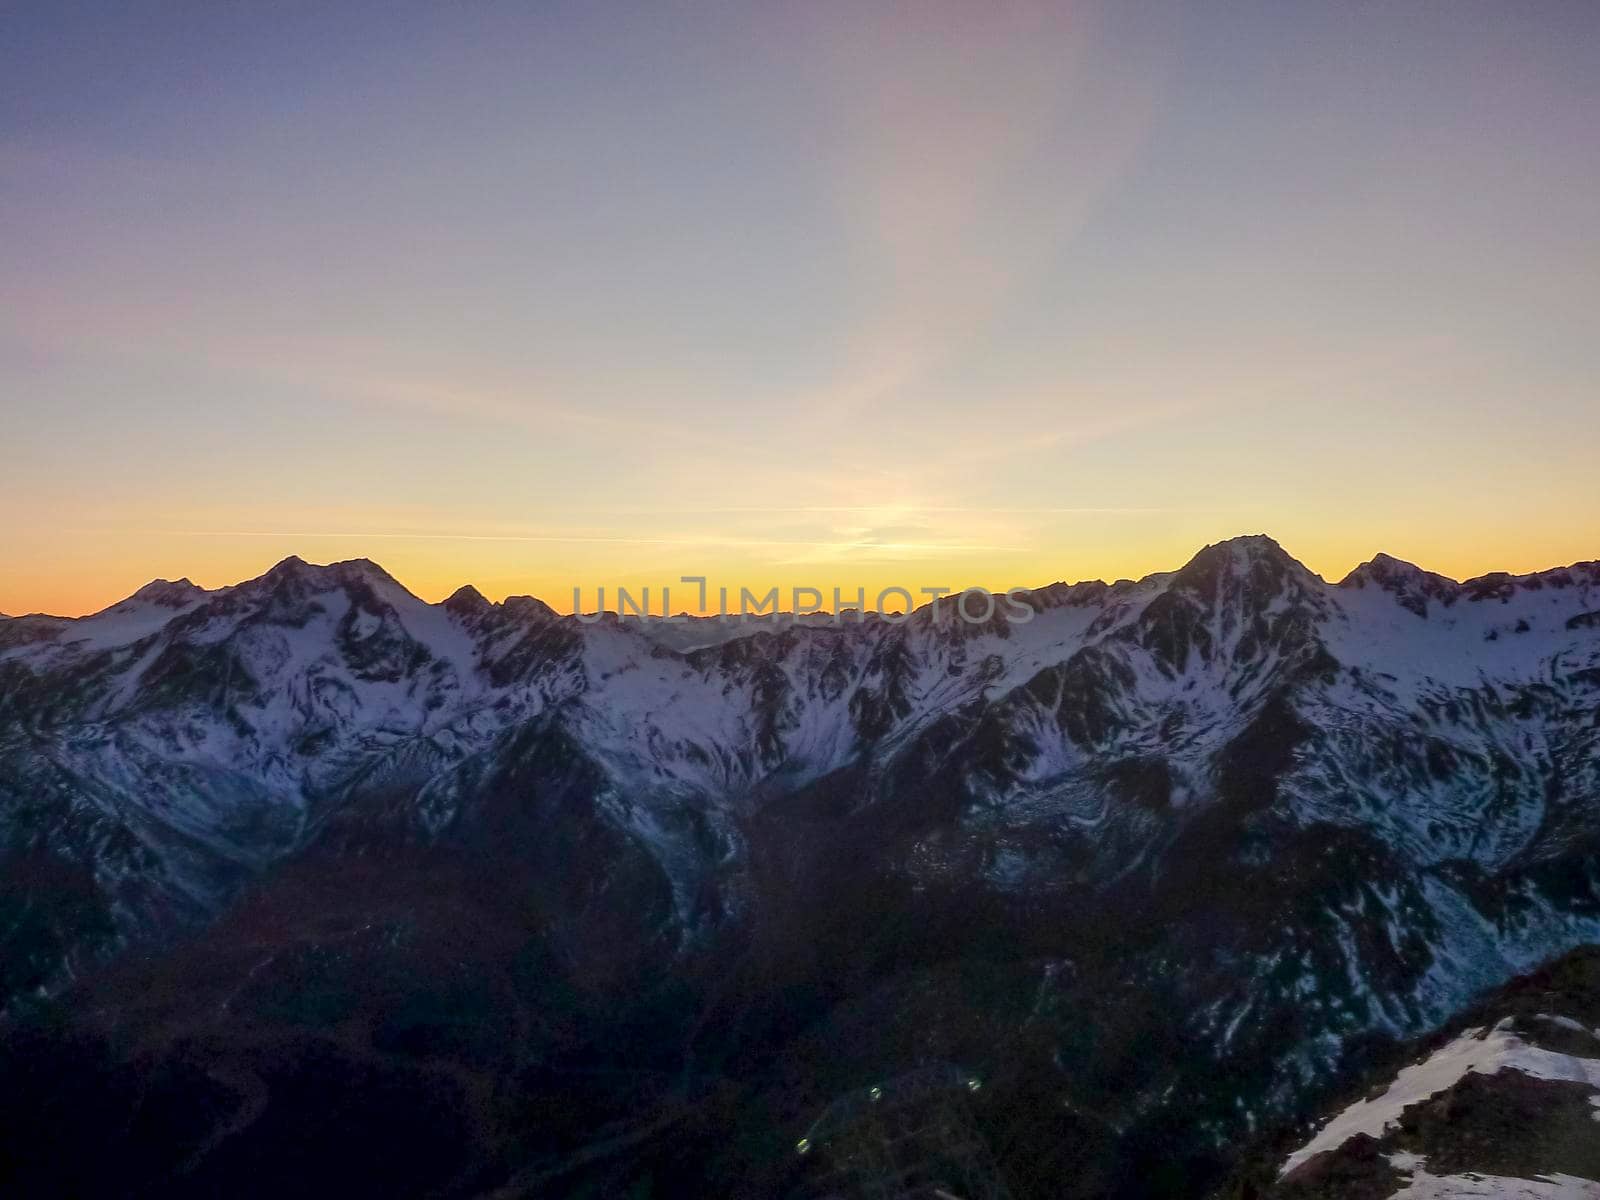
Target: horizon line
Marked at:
714, 614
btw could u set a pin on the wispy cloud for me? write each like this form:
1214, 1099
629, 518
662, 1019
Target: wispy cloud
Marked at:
937, 160
707, 540
877, 508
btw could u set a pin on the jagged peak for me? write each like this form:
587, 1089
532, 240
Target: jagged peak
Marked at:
1384, 568
163, 593
1411, 586
1249, 555
467, 600
284, 570
171, 593
1387, 562
364, 569
527, 606
1406, 579
1500, 584
330, 575
1247, 547
1251, 543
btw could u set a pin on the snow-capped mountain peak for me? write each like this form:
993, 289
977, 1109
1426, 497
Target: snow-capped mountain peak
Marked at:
176, 593
1410, 585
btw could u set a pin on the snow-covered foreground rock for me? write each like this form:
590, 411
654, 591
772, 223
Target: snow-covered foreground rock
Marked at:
1486, 1052
1173, 850
1507, 1108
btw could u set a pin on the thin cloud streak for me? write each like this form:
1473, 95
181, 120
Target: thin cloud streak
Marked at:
878, 508
936, 547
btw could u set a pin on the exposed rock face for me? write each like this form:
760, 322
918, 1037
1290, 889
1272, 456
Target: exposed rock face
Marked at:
1159, 861
1505, 1103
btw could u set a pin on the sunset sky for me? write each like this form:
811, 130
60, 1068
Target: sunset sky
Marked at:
536, 295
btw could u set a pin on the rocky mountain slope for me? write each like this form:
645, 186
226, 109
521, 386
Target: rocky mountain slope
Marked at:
1503, 1103
1158, 862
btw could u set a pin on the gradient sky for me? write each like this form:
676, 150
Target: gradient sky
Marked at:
535, 295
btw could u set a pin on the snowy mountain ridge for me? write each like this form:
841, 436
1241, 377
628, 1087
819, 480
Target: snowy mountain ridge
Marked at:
289, 686
1277, 816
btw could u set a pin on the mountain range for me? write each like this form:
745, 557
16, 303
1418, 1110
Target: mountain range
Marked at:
307, 876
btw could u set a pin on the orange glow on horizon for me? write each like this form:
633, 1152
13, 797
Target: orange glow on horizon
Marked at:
78, 585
